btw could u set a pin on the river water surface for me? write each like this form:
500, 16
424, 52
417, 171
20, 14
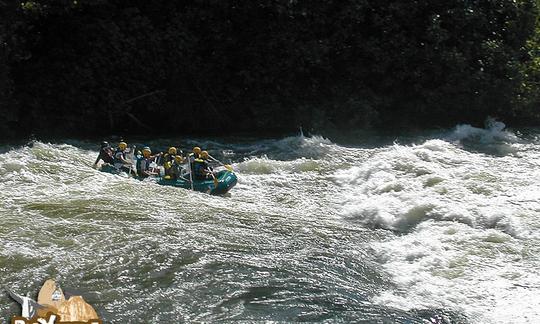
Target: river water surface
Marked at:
441, 228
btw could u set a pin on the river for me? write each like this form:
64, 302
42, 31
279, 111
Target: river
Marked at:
441, 227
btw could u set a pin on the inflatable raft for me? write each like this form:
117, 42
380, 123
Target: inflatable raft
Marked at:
226, 180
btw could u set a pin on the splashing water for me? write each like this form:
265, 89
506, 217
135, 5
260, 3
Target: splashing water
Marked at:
443, 231
494, 139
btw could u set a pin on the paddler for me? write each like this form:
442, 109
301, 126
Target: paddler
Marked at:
120, 161
202, 169
176, 169
195, 154
105, 154
168, 159
143, 164
169, 156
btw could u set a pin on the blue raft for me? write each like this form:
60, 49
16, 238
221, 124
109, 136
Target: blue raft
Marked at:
226, 180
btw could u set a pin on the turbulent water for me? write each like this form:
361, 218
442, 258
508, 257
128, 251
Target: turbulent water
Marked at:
441, 228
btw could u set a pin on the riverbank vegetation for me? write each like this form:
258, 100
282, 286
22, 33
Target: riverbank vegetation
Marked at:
93, 67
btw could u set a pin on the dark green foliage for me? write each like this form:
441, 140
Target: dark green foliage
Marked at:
112, 66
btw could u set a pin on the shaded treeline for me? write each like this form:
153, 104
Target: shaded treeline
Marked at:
90, 67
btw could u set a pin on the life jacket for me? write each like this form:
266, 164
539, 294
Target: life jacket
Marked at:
143, 164
199, 166
118, 163
105, 155
168, 158
177, 168
140, 165
117, 155
192, 157
168, 168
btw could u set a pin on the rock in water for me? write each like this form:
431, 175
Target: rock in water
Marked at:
76, 309
51, 294
43, 312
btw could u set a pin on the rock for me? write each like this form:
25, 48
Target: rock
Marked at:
51, 294
42, 312
76, 309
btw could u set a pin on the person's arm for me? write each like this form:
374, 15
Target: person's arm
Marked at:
124, 160
208, 169
120, 156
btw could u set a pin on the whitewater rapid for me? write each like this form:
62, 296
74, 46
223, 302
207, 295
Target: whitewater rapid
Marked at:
442, 227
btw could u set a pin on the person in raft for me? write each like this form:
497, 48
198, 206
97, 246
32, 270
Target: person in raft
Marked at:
202, 169
196, 154
143, 163
120, 160
168, 160
169, 156
177, 167
105, 154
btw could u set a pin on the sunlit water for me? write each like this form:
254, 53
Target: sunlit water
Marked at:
443, 229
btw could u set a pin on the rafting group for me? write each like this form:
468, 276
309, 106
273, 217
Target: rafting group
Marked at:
192, 171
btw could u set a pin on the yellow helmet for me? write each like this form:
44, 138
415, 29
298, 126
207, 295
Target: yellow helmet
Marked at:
146, 151
179, 158
197, 150
172, 150
122, 145
204, 154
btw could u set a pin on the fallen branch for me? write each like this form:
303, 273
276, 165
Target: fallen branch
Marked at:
136, 120
142, 96
130, 115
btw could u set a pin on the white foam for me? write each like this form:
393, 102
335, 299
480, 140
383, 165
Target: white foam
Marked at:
464, 218
454, 266
493, 132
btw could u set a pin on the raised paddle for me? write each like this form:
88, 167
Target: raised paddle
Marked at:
227, 166
190, 172
216, 182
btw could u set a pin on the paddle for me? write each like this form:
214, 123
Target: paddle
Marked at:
190, 172
216, 182
227, 166
132, 158
155, 166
